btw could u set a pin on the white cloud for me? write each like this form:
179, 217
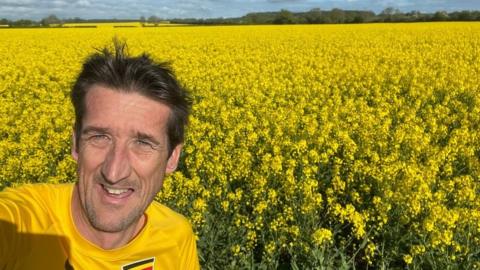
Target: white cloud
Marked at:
83, 3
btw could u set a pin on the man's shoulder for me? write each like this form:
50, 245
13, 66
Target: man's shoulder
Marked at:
160, 214
36, 191
35, 198
34, 208
168, 228
163, 218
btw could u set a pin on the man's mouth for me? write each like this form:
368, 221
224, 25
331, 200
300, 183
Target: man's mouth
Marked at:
117, 192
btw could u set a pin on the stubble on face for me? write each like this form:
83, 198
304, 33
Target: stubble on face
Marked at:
113, 225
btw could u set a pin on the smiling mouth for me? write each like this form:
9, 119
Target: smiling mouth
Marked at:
117, 192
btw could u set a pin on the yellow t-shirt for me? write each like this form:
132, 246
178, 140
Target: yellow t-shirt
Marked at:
37, 232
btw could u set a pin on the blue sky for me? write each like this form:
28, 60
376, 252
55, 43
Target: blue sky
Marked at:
123, 9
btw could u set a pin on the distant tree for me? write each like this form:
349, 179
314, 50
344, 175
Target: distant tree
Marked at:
399, 16
153, 19
358, 19
414, 15
440, 16
4, 21
476, 15
142, 19
23, 22
389, 14
252, 18
366, 16
349, 16
74, 20
314, 15
464, 15
389, 11
284, 17
337, 15
51, 19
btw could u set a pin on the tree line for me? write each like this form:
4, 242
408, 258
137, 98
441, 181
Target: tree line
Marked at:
336, 15
313, 16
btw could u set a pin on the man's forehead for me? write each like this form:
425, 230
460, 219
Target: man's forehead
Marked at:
123, 99
115, 106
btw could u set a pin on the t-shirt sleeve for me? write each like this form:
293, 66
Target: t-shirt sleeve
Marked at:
8, 230
188, 251
25, 239
17, 208
176, 230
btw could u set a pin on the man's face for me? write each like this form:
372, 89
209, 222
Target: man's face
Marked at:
122, 157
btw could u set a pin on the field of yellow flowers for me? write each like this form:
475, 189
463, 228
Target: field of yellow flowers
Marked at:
310, 147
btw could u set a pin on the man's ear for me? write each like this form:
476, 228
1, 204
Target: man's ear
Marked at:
74, 146
172, 161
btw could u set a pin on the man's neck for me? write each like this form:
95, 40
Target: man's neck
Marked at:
105, 240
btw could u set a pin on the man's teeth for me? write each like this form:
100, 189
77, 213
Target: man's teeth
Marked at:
115, 190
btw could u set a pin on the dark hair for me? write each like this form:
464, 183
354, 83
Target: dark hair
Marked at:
118, 71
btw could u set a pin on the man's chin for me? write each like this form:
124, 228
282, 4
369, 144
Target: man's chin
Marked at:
109, 228
110, 224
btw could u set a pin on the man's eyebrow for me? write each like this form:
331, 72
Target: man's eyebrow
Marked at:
148, 137
93, 129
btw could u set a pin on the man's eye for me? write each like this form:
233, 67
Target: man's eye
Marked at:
145, 144
99, 139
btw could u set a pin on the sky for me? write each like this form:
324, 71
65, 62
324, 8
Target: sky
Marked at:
167, 9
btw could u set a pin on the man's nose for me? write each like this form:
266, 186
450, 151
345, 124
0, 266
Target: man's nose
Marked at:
116, 165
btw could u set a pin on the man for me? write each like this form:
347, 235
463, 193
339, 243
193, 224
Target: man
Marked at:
130, 115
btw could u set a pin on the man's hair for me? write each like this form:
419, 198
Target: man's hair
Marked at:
116, 70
